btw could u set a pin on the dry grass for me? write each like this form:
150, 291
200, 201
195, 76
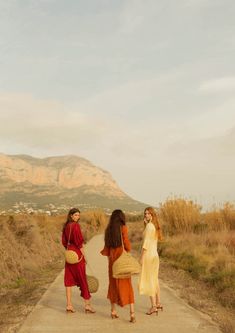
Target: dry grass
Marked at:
29, 243
179, 214
198, 294
31, 257
26, 244
202, 247
197, 246
206, 258
93, 222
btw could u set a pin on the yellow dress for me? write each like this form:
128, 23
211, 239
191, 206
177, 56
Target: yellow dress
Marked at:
148, 280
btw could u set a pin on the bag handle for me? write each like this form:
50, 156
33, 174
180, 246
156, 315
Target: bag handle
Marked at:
68, 243
122, 239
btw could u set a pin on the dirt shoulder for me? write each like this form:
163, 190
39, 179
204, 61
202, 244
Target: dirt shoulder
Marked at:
198, 295
17, 301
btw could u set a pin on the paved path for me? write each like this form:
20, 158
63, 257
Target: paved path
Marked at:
49, 314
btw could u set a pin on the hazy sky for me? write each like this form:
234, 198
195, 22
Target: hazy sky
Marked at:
144, 89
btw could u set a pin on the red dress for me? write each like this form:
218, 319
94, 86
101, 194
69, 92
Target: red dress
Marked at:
120, 291
75, 274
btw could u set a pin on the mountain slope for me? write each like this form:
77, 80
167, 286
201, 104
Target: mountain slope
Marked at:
59, 181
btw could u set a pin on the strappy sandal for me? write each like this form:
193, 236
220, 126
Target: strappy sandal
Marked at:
88, 309
114, 315
132, 317
152, 310
160, 307
70, 310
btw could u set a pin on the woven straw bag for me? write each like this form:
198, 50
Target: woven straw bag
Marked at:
71, 257
93, 283
126, 265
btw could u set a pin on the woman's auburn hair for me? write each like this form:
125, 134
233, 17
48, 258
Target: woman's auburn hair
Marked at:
155, 221
112, 236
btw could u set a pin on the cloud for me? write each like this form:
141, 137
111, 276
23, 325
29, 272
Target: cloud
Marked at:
33, 122
202, 3
132, 16
215, 151
137, 14
219, 85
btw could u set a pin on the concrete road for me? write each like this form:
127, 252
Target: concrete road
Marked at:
49, 314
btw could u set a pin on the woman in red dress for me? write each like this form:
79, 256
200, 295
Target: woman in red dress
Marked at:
75, 274
120, 291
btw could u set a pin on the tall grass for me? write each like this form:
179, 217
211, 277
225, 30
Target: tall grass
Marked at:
179, 215
93, 222
203, 244
182, 215
28, 243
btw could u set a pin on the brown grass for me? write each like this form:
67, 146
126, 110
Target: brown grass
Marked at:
31, 257
199, 244
202, 245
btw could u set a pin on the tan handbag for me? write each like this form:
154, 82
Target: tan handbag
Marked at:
126, 265
71, 257
93, 283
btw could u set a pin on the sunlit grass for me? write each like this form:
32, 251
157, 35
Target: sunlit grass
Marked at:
200, 243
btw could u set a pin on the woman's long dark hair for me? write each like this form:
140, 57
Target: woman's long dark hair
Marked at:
69, 216
112, 236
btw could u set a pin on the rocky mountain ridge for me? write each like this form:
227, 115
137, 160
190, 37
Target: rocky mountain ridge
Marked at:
61, 179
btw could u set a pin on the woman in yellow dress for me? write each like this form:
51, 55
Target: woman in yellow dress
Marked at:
148, 281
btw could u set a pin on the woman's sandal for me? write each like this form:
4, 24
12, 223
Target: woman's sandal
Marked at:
114, 315
70, 310
88, 309
152, 310
160, 307
132, 317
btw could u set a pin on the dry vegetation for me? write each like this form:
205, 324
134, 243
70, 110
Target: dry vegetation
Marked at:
200, 244
31, 257
197, 256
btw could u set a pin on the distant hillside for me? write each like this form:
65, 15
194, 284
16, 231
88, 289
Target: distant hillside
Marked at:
61, 181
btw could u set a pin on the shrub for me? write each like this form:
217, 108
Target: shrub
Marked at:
179, 215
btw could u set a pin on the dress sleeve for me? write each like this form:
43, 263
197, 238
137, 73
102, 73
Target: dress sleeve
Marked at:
147, 237
77, 236
64, 240
126, 242
105, 251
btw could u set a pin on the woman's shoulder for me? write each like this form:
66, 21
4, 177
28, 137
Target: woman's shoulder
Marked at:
150, 226
124, 228
72, 225
124, 231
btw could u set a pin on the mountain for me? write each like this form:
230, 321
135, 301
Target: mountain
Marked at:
59, 182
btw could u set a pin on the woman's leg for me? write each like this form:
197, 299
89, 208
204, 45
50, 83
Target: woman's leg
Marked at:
158, 298
113, 311
69, 306
158, 302
113, 307
153, 308
88, 307
153, 301
132, 313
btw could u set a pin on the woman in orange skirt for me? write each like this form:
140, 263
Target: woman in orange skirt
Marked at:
120, 291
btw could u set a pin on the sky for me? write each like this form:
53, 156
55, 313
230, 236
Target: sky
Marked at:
144, 89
